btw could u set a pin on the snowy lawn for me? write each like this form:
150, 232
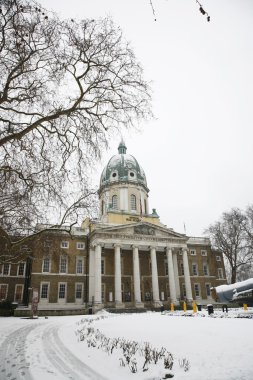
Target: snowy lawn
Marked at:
45, 349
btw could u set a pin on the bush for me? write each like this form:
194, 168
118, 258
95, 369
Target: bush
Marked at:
6, 305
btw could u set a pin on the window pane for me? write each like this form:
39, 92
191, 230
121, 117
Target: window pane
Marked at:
196, 288
21, 269
46, 265
3, 292
80, 245
184, 290
208, 290
62, 288
79, 289
6, 270
63, 264
79, 266
205, 269
44, 291
194, 269
102, 266
133, 202
115, 202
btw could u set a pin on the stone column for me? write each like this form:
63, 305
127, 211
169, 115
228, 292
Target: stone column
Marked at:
175, 264
187, 279
155, 285
117, 276
97, 290
136, 273
172, 284
91, 274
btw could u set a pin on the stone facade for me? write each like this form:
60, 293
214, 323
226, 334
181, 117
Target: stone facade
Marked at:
125, 259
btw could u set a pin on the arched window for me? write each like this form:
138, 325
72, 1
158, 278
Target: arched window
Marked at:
102, 207
133, 202
115, 202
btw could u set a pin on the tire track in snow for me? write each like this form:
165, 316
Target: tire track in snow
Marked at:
62, 358
13, 363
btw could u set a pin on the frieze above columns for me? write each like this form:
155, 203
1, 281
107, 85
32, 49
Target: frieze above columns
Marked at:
177, 243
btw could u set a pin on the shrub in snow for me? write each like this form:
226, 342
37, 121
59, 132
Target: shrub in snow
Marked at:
184, 363
131, 351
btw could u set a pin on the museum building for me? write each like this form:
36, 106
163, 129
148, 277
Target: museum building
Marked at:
124, 259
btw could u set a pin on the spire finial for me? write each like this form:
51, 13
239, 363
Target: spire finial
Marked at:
122, 147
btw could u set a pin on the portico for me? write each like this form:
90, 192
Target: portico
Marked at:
138, 259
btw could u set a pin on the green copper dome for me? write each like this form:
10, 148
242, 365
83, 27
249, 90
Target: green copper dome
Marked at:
123, 167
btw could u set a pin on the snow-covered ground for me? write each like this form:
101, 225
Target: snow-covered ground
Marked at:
51, 349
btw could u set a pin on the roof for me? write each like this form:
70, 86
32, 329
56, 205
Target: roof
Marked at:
123, 167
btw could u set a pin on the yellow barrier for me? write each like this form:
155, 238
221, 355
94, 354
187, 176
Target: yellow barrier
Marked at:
185, 307
245, 306
172, 307
194, 307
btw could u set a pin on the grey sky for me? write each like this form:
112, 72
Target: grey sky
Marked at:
197, 154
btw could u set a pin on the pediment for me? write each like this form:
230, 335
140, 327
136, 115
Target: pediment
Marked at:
143, 229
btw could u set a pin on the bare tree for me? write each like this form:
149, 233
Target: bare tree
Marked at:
65, 87
229, 236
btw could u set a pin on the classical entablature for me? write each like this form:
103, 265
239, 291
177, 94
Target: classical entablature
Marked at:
141, 233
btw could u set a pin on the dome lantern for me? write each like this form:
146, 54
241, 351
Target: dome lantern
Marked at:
122, 147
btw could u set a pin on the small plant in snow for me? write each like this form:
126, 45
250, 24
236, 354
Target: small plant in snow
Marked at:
168, 361
185, 364
133, 366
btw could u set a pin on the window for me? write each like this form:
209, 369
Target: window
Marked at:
194, 269
18, 293
103, 292
197, 290
46, 265
184, 290
182, 269
115, 202
3, 291
203, 252
218, 258
80, 245
79, 291
205, 270
21, 269
103, 266
145, 206
166, 268
64, 244
131, 174
79, 265
63, 264
133, 202
62, 291
192, 252
208, 290
220, 273
44, 291
122, 265
6, 270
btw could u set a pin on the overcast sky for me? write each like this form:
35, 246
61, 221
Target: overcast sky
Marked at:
198, 152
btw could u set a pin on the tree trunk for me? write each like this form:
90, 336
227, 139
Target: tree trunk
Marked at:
233, 275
